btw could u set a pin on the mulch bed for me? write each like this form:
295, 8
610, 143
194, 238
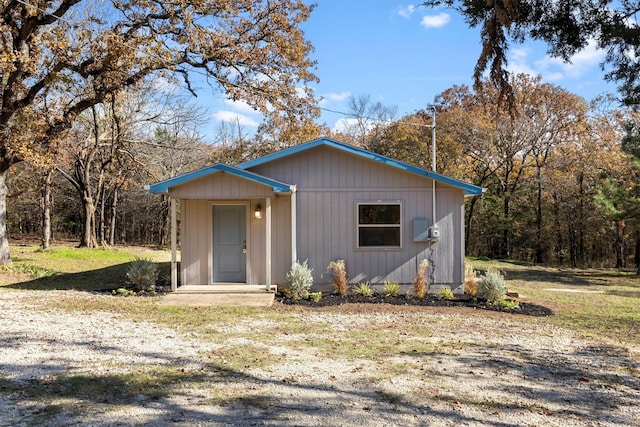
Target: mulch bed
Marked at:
327, 300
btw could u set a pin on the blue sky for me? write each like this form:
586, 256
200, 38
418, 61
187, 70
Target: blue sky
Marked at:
404, 56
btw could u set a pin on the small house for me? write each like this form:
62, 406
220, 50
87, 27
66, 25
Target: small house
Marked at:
319, 201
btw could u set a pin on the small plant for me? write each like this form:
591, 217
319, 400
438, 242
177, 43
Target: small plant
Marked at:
339, 273
34, 271
509, 304
142, 275
315, 296
299, 280
362, 288
492, 286
123, 292
446, 293
470, 281
420, 282
391, 289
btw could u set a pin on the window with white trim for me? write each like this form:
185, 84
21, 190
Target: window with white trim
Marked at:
379, 225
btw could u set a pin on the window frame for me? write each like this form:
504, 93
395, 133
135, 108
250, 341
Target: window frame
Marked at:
359, 226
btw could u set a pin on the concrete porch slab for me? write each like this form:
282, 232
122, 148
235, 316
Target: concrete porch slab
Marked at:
221, 295
264, 299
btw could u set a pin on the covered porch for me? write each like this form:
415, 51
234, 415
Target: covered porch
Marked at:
228, 220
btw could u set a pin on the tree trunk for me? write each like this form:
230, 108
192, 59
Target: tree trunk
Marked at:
5, 257
89, 239
467, 229
102, 237
46, 210
619, 244
504, 250
559, 249
539, 246
165, 223
582, 228
112, 231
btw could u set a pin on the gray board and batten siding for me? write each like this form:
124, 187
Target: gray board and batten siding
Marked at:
330, 183
327, 180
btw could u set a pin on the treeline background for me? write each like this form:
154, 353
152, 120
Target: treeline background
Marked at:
561, 174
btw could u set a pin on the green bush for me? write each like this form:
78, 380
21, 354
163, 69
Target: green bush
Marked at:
362, 288
509, 304
315, 296
299, 280
492, 286
142, 275
391, 289
446, 293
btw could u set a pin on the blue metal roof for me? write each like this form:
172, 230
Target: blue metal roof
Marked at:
469, 189
164, 186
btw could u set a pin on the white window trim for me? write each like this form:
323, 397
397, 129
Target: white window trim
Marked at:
358, 225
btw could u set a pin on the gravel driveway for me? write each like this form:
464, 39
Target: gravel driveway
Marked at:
61, 368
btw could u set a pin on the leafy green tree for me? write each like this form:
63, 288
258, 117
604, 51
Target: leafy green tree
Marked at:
618, 195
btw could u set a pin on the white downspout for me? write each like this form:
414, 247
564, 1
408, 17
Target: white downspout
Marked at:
433, 163
174, 246
268, 243
294, 226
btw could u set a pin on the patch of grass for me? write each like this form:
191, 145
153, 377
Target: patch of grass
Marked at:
75, 268
612, 314
239, 357
369, 344
152, 382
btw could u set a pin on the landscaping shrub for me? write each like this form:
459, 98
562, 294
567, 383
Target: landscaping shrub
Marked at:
446, 293
339, 273
142, 275
362, 288
470, 281
315, 296
420, 282
391, 289
299, 280
492, 286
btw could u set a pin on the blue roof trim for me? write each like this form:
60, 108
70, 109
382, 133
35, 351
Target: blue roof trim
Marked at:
469, 189
164, 186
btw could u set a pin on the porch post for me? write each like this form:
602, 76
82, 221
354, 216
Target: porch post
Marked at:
267, 242
174, 245
294, 227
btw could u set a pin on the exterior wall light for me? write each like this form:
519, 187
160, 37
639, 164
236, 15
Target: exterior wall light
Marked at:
258, 212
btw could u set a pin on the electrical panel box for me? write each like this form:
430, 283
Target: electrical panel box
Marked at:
420, 230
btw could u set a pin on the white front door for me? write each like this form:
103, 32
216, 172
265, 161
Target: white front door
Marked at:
229, 243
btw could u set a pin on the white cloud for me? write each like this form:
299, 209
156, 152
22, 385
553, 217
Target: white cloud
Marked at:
554, 69
435, 21
406, 12
579, 64
334, 97
234, 117
344, 125
518, 62
240, 106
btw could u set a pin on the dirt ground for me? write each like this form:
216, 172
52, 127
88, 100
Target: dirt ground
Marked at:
348, 365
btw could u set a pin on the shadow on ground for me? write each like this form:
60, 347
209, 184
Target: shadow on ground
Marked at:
572, 277
102, 279
214, 393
